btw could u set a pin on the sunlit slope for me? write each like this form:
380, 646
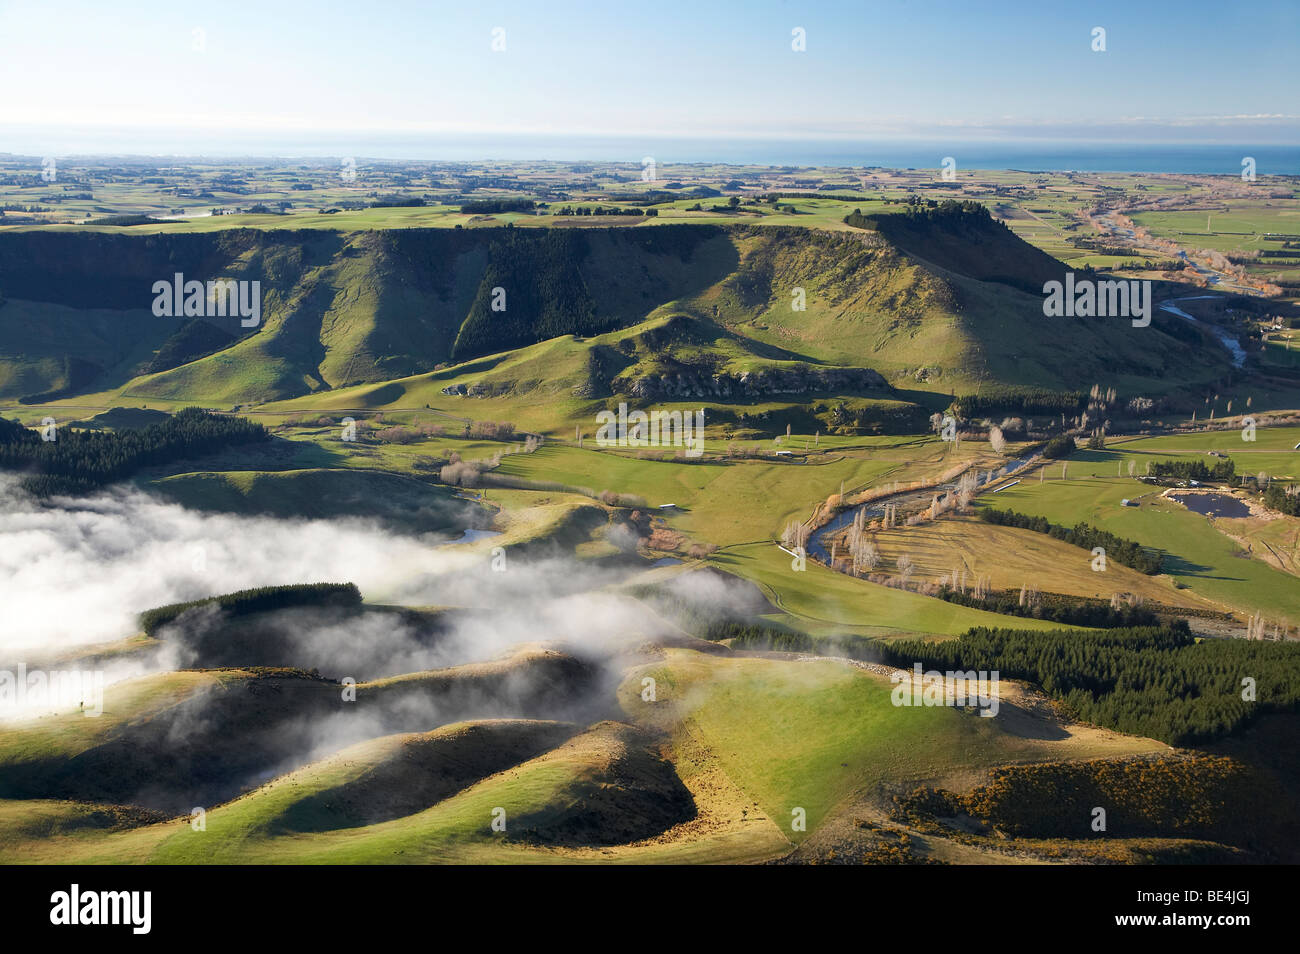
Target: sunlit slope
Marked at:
811, 734
711, 769
394, 776
1199, 554
169, 739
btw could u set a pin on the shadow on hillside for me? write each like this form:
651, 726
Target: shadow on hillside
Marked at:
1179, 566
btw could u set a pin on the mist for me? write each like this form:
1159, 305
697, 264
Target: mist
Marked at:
77, 571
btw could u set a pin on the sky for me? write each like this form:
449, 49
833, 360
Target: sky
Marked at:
193, 73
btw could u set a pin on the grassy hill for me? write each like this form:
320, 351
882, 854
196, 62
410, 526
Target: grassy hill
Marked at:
941, 307
711, 771
392, 499
168, 739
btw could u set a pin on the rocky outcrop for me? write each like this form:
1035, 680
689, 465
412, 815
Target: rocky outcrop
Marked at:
757, 383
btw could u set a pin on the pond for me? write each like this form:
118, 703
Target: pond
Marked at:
1213, 505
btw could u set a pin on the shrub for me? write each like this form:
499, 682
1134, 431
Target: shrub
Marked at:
1058, 447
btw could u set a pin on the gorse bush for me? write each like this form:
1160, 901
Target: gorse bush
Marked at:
1058, 447
1177, 795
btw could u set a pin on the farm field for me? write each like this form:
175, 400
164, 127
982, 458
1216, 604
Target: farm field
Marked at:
1199, 556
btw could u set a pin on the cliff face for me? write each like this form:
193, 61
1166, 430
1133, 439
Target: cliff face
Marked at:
336, 308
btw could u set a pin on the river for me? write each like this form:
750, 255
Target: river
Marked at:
1226, 338
874, 509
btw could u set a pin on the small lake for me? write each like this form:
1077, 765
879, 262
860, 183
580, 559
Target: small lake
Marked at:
1213, 505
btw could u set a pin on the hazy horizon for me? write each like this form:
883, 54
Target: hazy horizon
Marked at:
326, 78
881, 152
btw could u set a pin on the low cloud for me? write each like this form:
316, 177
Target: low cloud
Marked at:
78, 571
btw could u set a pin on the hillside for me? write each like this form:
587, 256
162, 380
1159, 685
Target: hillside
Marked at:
936, 306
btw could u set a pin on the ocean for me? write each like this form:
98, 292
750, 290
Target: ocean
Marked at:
1026, 155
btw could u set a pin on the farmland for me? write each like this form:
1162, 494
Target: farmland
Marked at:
578, 647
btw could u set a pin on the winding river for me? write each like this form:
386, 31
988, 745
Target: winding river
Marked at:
818, 543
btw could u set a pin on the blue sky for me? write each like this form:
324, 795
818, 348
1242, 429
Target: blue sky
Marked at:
1189, 72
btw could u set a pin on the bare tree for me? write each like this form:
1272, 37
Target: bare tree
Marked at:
1029, 596
906, 567
966, 490
795, 535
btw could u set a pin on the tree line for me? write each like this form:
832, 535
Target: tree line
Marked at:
1283, 499
82, 459
602, 210
1159, 682
1121, 550
261, 599
489, 206
1056, 607
1224, 469
1030, 401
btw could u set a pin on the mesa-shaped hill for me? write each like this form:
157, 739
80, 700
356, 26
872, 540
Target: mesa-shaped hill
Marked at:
940, 303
